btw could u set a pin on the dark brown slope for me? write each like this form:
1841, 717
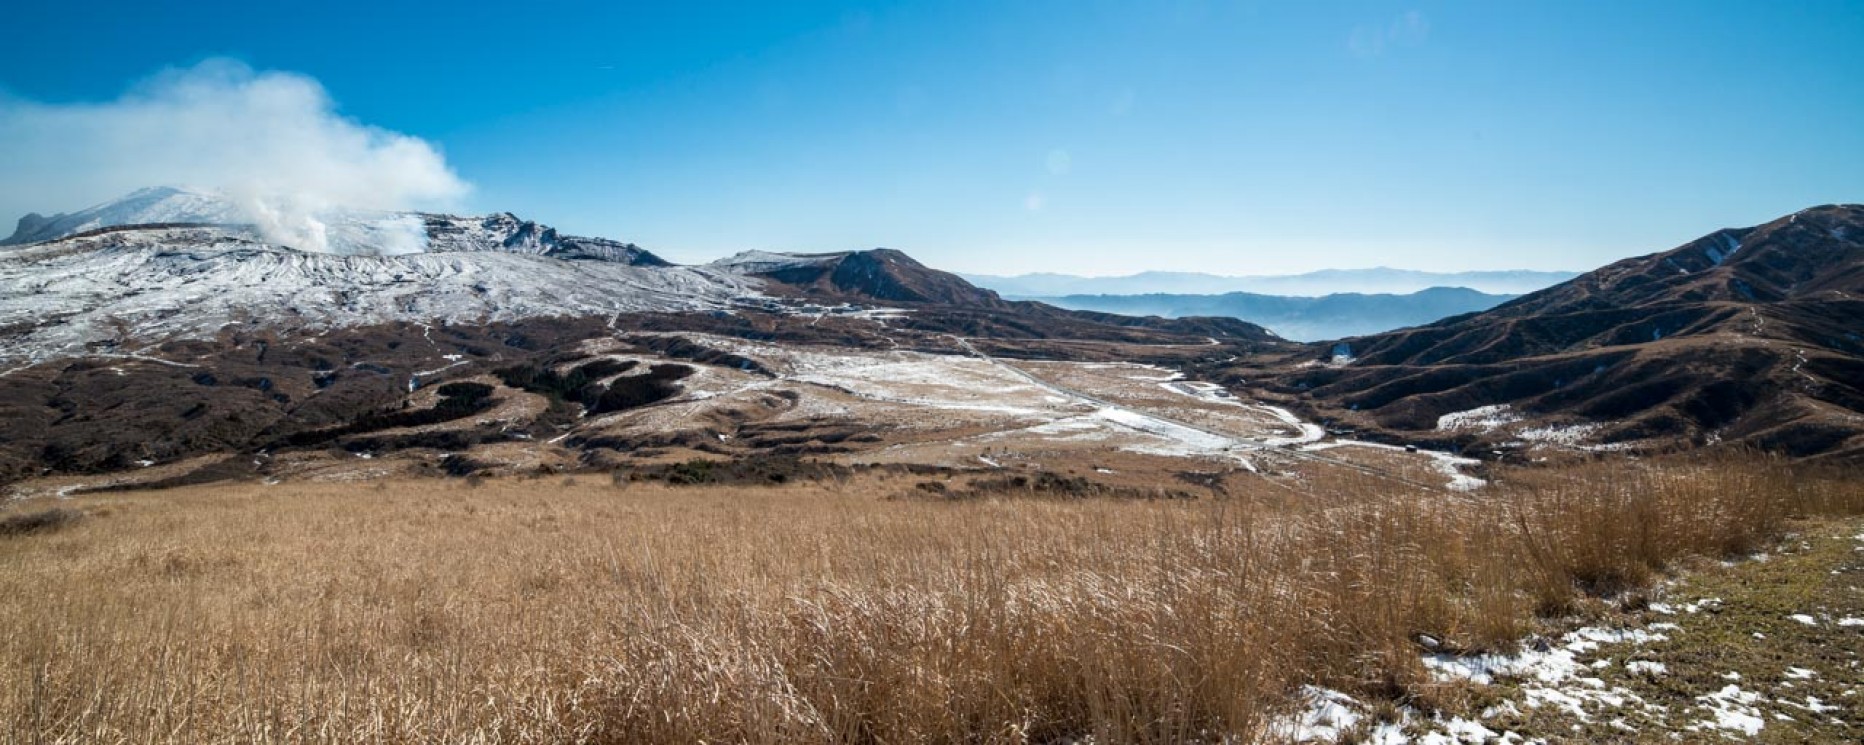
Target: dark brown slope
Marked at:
252, 401
1745, 335
881, 274
945, 302
260, 392
1807, 269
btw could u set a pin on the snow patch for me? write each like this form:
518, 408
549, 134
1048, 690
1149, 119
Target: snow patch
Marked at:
1343, 354
1732, 709
1479, 419
1646, 667
1570, 435
1720, 253
1327, 716
1550, 675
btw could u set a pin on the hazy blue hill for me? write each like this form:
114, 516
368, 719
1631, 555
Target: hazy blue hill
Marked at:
1378, 280
1300, 318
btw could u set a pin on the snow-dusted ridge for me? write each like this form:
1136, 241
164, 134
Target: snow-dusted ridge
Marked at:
162, 204
343, 231
753, 262
180, 278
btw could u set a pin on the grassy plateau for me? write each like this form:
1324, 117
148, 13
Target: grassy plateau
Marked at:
866, 609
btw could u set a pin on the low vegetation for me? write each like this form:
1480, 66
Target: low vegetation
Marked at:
26, 523
863, 609
580, 385
457, 401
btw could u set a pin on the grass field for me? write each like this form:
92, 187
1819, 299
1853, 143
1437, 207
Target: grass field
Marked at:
865, 610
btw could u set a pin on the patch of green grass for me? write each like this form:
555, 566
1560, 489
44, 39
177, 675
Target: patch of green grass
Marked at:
1751, 633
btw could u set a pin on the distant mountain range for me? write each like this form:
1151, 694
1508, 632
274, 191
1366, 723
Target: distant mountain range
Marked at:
1377, 280
1299, 318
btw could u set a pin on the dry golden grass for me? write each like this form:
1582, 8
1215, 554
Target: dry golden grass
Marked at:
547, 611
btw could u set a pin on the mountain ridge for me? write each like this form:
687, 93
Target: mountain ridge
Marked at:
129, 285
1745, 335
151, 205
1300, 318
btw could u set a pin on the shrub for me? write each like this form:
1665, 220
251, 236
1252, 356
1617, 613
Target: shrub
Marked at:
38, 522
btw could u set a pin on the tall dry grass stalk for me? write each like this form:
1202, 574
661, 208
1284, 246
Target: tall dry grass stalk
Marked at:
533, 611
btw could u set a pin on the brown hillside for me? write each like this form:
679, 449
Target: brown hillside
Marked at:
1745, 335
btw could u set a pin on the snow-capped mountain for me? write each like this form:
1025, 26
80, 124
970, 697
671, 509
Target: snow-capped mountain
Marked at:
152, 206
342, 231
142, 285
506, 232
170, 263
115, 288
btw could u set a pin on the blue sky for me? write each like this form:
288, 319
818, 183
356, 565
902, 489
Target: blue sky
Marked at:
1080, 137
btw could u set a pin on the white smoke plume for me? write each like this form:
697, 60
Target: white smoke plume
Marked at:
271, 141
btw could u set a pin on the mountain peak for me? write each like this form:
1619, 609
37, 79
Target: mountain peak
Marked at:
340, 231
147, 206
872, 274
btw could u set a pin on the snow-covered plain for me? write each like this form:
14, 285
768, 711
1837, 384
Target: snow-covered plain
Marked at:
958, 409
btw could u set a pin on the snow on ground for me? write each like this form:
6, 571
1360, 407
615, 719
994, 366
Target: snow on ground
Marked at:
919, 379
1100, 407
1571, 435
1549, 675
1479, 419
1327, 715
1343, 354
1309, 432
1551, 666
1450, 465
1731, 709
1304, 432
1647, 667
1134, 370
1504, 419
1179, 439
